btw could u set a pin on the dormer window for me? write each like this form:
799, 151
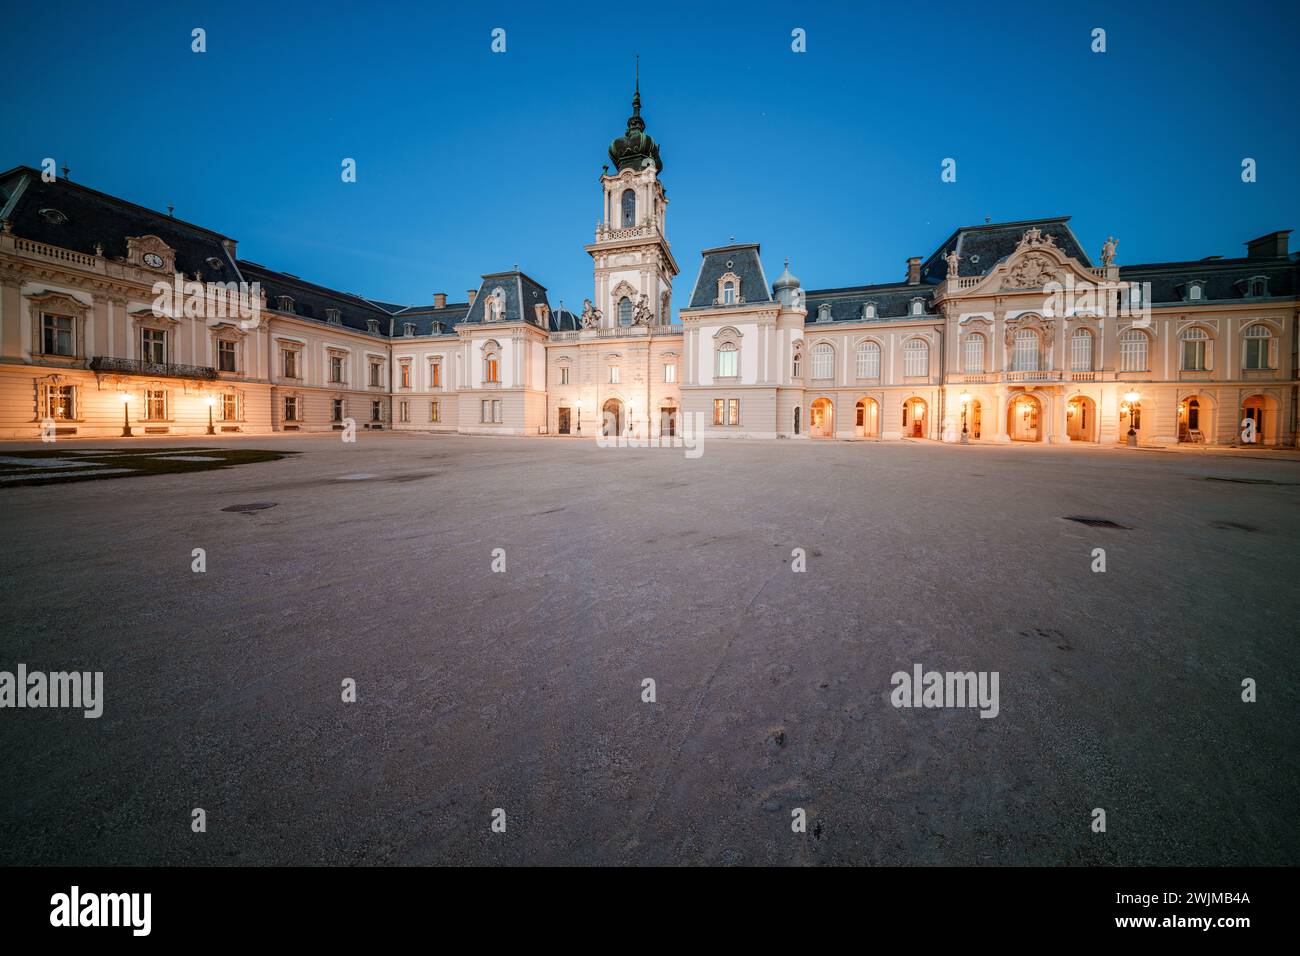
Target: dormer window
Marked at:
284, 303
408, 328
372, 326
918, 307
868, 311
1195, 290
824, 312
1257, 287
213, 262
729, 293
729, 288
53, 216
333, 316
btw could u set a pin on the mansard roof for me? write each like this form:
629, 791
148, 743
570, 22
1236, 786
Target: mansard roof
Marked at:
313, 301
522, 295
744, 260
983, 247
892, 301
1222, 279
90, 217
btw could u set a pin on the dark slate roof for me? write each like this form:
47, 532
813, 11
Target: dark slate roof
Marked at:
95, 217
1224, 279
892, 302
742, 259
563, 320
983, 247
429, 320
311, 301
521, 294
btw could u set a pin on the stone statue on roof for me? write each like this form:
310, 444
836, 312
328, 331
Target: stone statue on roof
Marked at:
591, 315
952, 259
1108, 250
641, 314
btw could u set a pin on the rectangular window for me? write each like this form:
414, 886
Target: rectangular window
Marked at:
1132, 352
336, 369
726, 411
376, 411
229, 407
490, 370
1257, 353
57, 335
727, 362
670, 372
868, 361
496, 410
564, 375
376, 369
733, 411
973, 360
225, 356
404, 411
289, 362
155, 404
1194, 355
1081, 352
153, 346
433, 412
613, 375
435, 375
290, 408
485, 410
60, 402
406, 374
336, 410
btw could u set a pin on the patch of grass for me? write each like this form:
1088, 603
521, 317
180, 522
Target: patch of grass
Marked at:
140, 461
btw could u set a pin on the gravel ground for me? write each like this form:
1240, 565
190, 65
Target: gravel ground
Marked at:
522, 690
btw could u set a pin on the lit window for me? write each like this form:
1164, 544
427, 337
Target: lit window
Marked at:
728, 360
406, 375
435, 374
868, 360
60, 402
229, 407
290, 408
726, 411
1132, 351
155, 404
56, 334
433, 412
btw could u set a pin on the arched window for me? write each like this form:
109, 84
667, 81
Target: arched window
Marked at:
1196, 350
1258, 352
491, 363
823, 361
629, 208
1081, 351
973, 354
625, 311
728, 293
728, 360
868, 360
1024, 351
916, 357
796, 370
1133, 351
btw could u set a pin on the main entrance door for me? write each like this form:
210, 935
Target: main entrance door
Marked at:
667, 421
1023, 416
612, 418
564, 420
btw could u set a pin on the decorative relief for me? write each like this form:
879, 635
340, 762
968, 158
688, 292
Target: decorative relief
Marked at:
1032, 271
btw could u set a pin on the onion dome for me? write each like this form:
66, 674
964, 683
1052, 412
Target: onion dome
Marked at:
785, 280
634, 147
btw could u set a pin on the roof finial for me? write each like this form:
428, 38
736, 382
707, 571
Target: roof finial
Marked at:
636, 95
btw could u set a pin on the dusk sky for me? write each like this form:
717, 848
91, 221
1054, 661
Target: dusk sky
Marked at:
469, 161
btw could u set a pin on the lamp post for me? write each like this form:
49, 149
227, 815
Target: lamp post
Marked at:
211, 401
965, 402
579, 418
1131, 398
631, 411
126, 414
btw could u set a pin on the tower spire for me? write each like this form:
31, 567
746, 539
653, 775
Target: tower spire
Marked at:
636, 95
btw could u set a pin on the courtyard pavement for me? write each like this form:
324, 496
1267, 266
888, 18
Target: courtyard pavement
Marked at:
522, 690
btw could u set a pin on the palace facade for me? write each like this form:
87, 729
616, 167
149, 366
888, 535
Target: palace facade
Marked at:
1004, 332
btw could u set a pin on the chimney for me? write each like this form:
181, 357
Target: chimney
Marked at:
440, 300
1274, 245
473, 294
914, 270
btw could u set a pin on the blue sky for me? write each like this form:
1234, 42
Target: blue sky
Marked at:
470, 162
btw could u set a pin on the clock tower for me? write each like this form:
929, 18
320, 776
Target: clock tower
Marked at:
634, 267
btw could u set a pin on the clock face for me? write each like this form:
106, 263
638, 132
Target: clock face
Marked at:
153, 260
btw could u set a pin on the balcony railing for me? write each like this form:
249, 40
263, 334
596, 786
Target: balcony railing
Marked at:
1033, 376
122, 366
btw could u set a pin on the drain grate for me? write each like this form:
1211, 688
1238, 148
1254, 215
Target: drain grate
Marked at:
1097, 522
250, 507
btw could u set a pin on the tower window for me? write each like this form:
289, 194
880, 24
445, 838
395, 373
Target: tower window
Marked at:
625, 311
629, 208
728, 293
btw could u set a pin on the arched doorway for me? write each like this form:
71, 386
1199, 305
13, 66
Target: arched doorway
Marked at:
668, 421
612, 418
1261, 410
1024, 415
1196, 419
914, 412
974, 416
797, 412
821, 421
866, 418
1081, 419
